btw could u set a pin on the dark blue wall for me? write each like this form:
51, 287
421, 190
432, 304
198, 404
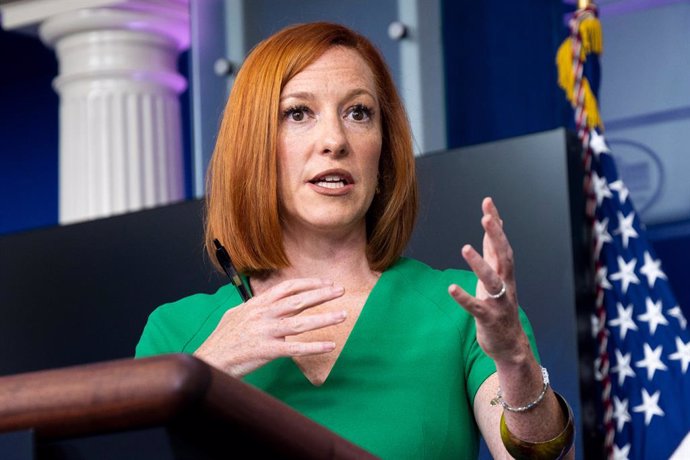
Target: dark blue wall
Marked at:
501, 78
28, 134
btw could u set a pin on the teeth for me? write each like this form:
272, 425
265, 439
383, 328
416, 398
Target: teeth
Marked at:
327, 184
331, 181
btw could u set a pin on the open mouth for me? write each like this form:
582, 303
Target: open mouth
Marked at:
332, 180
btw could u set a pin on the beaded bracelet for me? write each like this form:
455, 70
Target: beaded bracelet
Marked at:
499, 396
553, 449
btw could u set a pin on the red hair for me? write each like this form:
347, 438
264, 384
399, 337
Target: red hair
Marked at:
242, 187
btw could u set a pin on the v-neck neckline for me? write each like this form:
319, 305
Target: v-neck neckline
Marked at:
353, 335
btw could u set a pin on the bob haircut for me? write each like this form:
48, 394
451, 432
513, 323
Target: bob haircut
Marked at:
242, 203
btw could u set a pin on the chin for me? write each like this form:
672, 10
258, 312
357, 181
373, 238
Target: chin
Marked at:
335, 223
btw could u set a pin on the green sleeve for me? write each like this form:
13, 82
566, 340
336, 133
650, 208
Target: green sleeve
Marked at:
181, 326
157, 339
478, 365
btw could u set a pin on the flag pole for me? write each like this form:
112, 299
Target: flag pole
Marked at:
586, 39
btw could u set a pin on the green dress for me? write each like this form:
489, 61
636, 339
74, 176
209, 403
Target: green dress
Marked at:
405, 381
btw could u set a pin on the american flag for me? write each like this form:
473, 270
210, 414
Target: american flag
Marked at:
641, 332
643, 329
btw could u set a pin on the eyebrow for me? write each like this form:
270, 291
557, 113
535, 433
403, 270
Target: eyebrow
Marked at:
308, 95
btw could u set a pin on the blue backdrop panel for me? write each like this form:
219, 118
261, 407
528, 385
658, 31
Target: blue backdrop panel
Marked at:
500, 69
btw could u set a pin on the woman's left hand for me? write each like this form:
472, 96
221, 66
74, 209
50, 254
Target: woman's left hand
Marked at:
495, 305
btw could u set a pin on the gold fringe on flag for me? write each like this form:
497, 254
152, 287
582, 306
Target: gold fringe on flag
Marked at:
591, 36
592, 43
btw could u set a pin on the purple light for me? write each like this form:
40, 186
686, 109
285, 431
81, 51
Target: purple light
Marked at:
610, 8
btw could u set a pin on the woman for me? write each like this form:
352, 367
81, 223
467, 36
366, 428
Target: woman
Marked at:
312, 190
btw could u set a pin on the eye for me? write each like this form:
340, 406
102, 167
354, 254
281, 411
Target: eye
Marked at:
296, 113
360, 112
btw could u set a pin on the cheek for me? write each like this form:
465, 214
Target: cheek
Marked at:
290, 164
285, 179
285, 156
373, 157
283, 167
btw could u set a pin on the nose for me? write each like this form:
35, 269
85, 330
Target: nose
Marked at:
333, 136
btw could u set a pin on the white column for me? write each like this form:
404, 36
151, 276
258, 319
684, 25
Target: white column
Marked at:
421, 73
120, 131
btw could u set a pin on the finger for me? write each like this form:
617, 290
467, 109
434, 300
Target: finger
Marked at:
305, 348
498, 249
493, 227
485, 273
471, 304
297, 324
297, 303
294, 286
489, 208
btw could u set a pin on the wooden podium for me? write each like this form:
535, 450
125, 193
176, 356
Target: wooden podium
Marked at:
164, 407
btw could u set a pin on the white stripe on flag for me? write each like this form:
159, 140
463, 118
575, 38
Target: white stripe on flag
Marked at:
683, 450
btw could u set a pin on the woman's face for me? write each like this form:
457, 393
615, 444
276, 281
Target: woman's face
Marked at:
329, 144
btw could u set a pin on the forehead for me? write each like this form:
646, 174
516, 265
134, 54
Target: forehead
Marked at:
339, 68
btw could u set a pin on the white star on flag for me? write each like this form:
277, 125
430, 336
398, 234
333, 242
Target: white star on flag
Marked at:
625, 228
597, 143
621, 453
601, 188
682, 354
624, 320
652, 360
619, 186
677, 313
626, 273
653, 316
602, 277
650, 406
622, 367
620, 412
602, 235
652, 269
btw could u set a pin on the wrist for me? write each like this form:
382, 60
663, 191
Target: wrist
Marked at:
518, 357
498, 400
521, 383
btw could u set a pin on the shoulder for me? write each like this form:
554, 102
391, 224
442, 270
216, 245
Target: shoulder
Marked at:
171, 326
421, 276
428, 287
423, 291
195, 305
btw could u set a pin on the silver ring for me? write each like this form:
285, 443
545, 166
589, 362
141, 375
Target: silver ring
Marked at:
500, 293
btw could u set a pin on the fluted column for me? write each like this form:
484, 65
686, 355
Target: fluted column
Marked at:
120, 128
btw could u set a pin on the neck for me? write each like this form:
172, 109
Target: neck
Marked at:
339, 259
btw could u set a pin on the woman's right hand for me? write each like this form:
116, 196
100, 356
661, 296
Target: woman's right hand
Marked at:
253, 333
